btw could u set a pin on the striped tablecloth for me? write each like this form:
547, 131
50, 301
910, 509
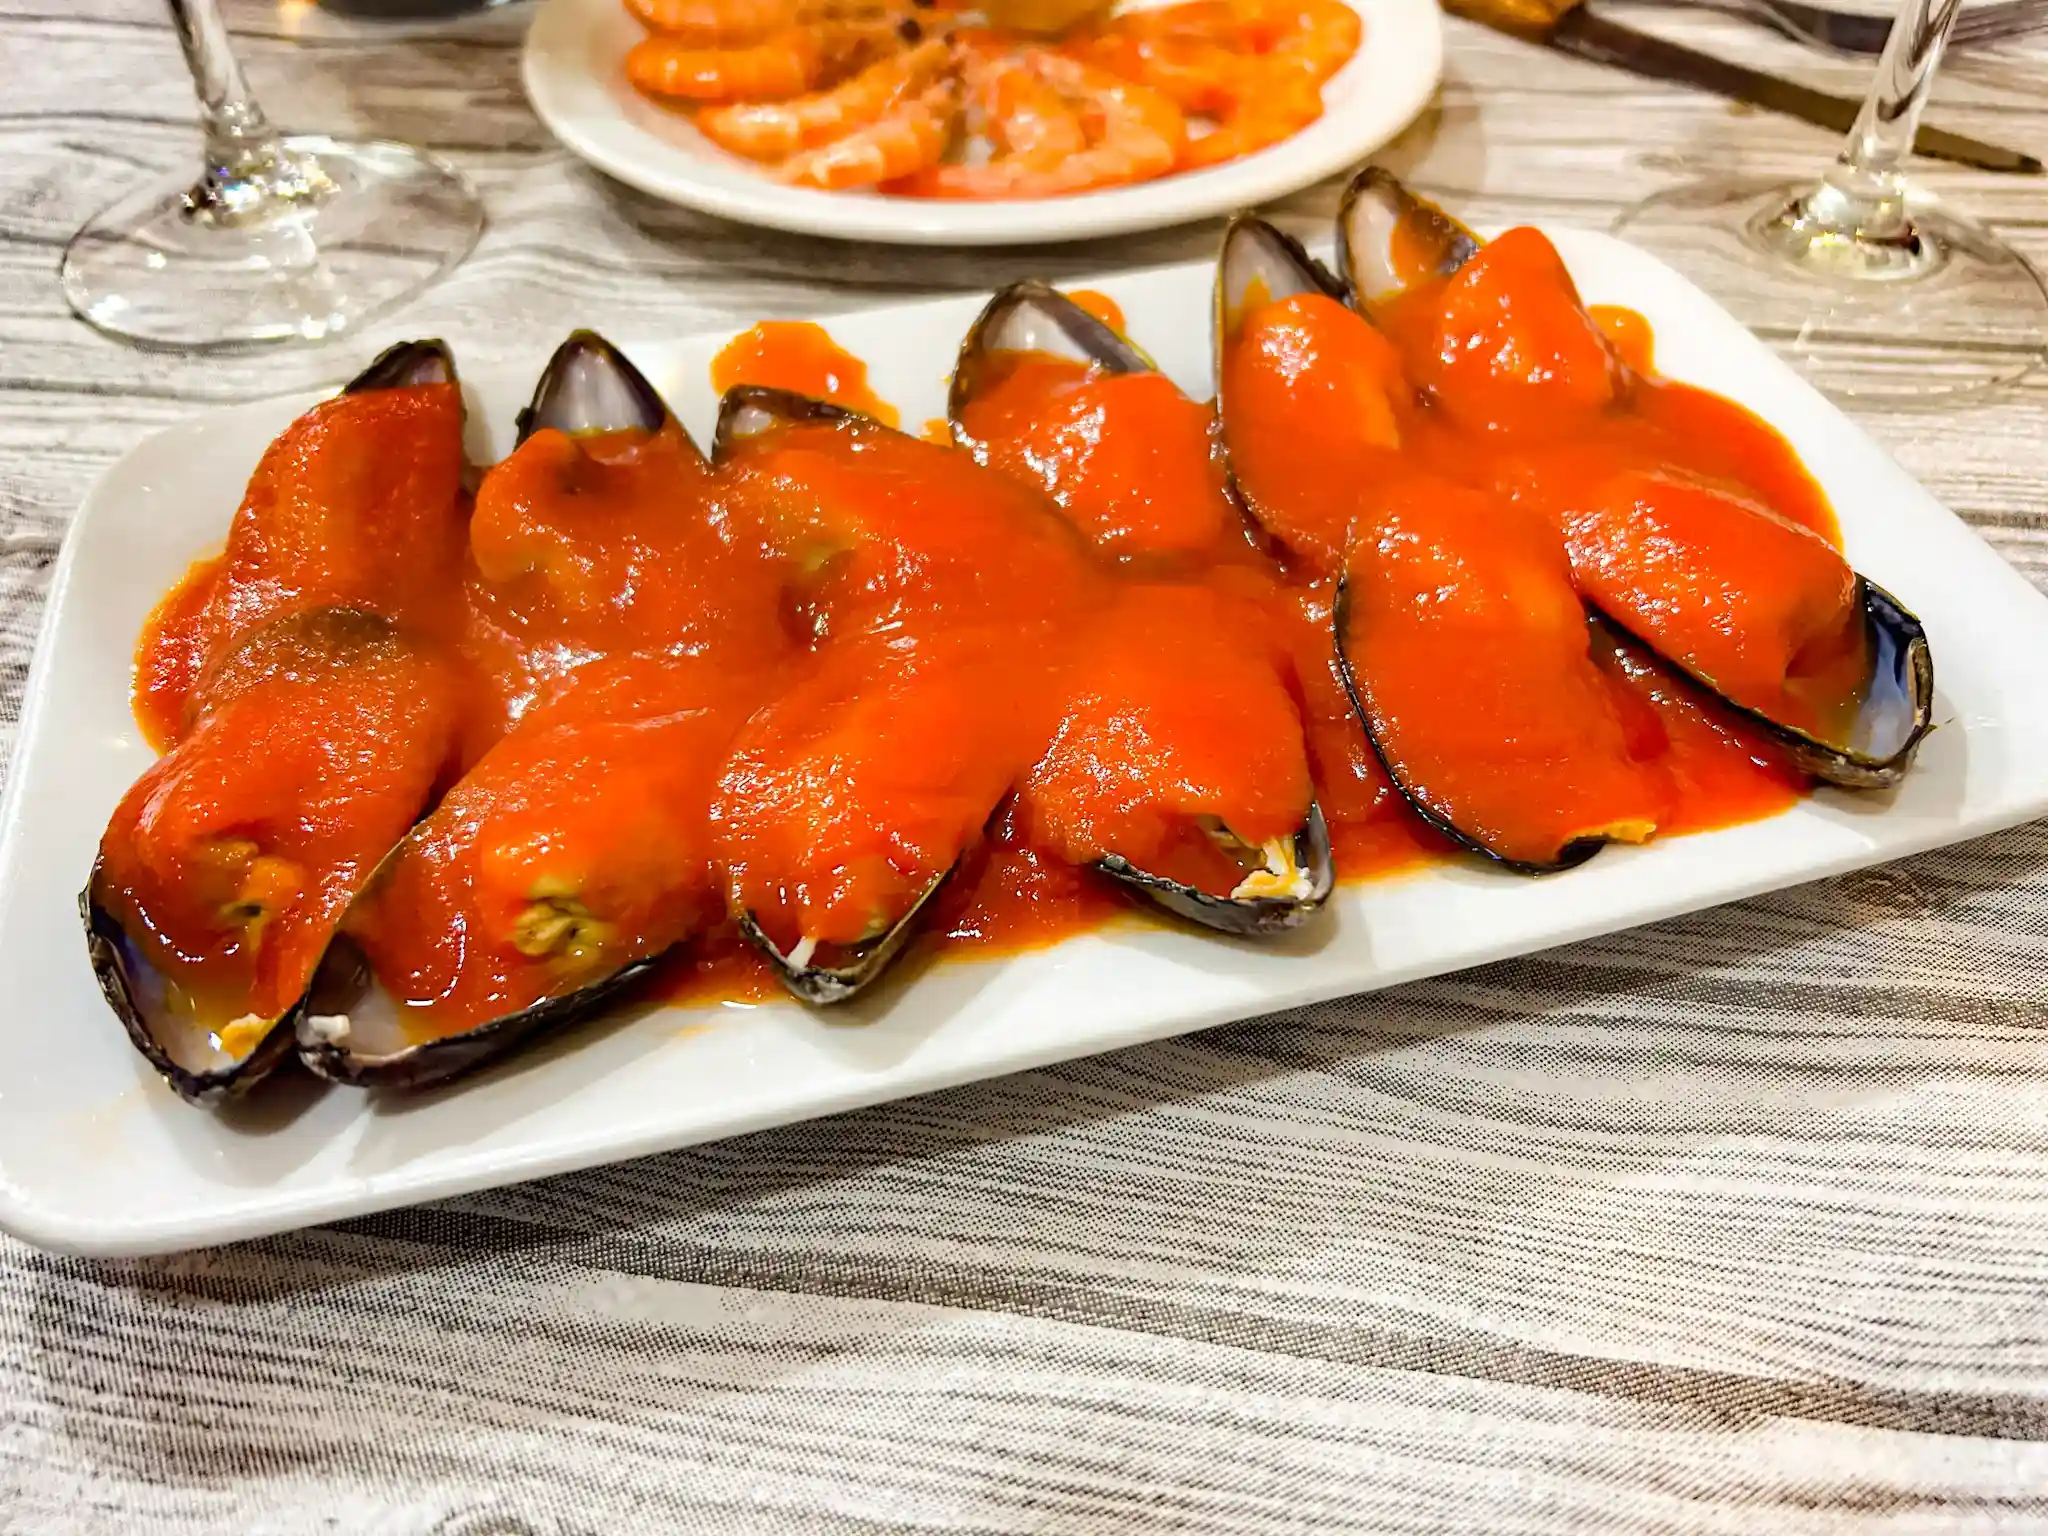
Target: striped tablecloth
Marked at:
1737, 1224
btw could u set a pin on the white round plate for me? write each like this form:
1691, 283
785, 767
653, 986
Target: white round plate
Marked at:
575, 77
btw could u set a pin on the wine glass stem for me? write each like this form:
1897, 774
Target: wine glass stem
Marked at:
248, 173
227, 111
1868, 180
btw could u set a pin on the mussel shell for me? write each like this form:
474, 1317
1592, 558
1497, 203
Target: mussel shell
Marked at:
1375, 207
1034, 316
1246, 917
1254, 251
824, 985
406, 365
341, 1046
1570, 856
1895, 714
749, 410
589, 385
125, 977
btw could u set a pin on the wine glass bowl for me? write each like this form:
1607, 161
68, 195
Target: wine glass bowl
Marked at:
278, 239
1837, 272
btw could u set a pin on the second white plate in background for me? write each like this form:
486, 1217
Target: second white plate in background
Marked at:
574, 69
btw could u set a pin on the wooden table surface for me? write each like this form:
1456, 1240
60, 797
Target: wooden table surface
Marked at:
1735, 1224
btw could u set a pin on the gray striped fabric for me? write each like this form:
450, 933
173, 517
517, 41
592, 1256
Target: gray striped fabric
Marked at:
1733, 1225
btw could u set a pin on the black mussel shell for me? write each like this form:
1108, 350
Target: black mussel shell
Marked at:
1375, 208
748, 410
853, 967
1570, 856
1245, 916
1256, 252
590, 386
350, 1032
134, 991
1034, 316
405, 366
1895, 713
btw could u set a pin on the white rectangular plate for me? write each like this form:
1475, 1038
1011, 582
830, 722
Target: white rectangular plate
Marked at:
97, 1156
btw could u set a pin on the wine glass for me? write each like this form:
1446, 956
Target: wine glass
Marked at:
280, 238
1871, 287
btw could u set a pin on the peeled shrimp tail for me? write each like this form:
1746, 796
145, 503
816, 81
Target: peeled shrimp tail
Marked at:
776, 130
915, 134
788, 63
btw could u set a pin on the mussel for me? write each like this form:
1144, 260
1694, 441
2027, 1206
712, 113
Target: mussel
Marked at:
315, 734
1525, 761
822, 972
589, 385
531, 897
1312, 403
1849, 689
1130, 462
1035, 317
836, 727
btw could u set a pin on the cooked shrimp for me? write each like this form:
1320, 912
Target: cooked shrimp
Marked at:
787, 63
734, 23
1317, 37
775, 130
1194, 73
1134, 134
716, 23
1219, 21
1267, 105
1032, 127
907, 139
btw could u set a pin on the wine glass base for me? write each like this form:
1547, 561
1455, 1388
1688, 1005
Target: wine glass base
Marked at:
1942, 308
385, 221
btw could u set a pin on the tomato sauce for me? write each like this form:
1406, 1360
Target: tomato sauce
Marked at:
812, 681
578, 845
1100, 305
230, 862
1128, 456
801, 356
176, 640
305, 686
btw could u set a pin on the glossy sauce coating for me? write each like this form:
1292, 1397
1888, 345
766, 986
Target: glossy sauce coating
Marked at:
1469, 649
579, 844
1499, 409
1315, 400
909, 664
314, 744
1226, 668
305, 687
172, 653
799, 356
1128, 456
603, 544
